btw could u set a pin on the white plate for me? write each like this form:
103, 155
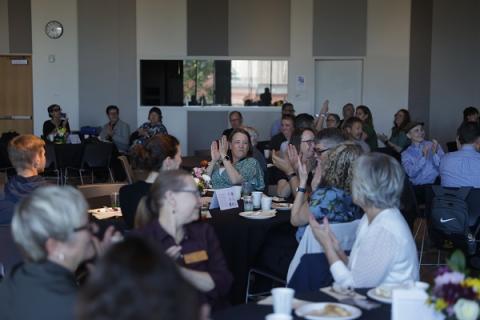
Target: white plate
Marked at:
305, 310
282, 206
258, 214
385, 298
278, 199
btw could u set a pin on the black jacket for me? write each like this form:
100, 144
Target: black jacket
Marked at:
43, 290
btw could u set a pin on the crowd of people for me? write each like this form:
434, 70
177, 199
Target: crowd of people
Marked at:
332, 170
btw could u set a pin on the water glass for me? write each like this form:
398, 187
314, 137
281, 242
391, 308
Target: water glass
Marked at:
282, 300
247, 203
114, 200
257, 198
246, 188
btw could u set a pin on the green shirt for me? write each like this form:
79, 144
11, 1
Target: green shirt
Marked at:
248, 168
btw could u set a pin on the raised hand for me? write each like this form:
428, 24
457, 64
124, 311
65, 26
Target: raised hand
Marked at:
281, 163
292, 156
302, 172
434, 146
324, 108
223, 147
214, 153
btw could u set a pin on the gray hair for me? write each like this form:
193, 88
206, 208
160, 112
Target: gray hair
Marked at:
49, 212
253, 134
377, 181
330, 137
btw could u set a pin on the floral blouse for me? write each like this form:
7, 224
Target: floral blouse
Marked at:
152, 130
249, 169
333, 203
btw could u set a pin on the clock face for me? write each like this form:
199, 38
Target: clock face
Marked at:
54, 29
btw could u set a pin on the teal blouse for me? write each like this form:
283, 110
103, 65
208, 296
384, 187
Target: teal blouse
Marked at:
400, 139
248, 168
371, 137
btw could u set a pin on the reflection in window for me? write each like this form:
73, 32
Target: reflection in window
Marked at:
198, 81
250, 78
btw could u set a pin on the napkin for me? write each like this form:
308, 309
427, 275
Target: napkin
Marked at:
296, 303
106, 213
339, 296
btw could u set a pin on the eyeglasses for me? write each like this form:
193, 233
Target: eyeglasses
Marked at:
319, 152
56, 109
194, 192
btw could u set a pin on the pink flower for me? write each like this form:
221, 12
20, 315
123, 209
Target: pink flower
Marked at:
449, 277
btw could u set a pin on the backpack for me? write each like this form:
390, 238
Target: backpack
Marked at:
449, 225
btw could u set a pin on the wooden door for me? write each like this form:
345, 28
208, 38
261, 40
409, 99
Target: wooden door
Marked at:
16, 102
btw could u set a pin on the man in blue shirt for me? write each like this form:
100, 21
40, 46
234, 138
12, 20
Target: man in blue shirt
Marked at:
462, 168
287, 109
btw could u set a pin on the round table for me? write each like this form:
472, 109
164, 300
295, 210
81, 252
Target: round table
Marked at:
242, 241
254, 311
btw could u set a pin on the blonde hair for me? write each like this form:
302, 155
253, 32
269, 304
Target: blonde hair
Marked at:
338, 170
23, 149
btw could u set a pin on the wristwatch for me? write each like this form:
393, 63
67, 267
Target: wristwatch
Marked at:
226, 157
300, 189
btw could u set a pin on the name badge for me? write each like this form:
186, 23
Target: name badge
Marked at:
197, 256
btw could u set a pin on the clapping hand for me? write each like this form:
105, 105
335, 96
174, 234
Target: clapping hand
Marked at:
223, 146
323, 233
317, 177
281, 163
425, 150
324, 108
434, 146
214, 153
302, 172
292, 156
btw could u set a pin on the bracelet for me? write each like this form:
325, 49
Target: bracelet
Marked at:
324, 115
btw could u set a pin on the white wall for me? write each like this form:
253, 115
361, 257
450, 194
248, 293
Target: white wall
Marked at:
387, 62
4, 37
55, 82
301, 62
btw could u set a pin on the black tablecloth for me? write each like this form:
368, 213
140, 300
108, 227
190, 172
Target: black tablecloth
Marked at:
254, 311
117, 222
69, 155
242, 241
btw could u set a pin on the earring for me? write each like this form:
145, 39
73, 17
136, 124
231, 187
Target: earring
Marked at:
173, 211
60, 256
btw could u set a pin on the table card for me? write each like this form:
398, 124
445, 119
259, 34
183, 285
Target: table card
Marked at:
411, 304
224, 198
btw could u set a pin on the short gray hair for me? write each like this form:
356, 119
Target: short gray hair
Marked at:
377, 181
330, 137
49, 212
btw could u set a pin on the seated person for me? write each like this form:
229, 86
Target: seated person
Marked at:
421, 159
161, 152
287, 109
332, 199
51, 227
353, 128
470, 114
370, 136
462, 168
236, 121
304, 121
398, 140
238, 164
27, 155
168, 217
384, 250
116, 130
348, 111
333, 120
281, 140
134, 270
302, 146
153, 127
256, 153
56, 124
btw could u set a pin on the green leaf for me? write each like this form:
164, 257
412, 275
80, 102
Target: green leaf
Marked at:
457, 261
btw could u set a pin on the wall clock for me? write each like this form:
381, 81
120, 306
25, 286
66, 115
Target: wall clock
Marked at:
54, 29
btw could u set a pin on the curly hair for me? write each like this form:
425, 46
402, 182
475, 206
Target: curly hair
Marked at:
338, 169
134, 280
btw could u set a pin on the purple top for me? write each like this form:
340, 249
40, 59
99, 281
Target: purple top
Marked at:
198, 236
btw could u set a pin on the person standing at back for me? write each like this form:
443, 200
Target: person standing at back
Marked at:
236, 121
287, 109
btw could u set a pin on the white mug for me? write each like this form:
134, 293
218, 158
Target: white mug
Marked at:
266, 203
282, 300
257, 198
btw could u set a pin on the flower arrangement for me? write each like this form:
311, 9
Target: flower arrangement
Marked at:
455, 294
202, 179
61, 135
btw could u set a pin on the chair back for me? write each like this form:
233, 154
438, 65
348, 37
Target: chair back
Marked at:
97, 155
50, 156
127, 168
9, 252
99, 189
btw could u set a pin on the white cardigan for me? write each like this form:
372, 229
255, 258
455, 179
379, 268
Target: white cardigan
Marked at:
383, 252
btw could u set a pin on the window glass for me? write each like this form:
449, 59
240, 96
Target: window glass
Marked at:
198, 81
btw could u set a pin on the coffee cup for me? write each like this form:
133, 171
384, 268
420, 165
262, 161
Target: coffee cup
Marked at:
282, 300
266, 203
266, 153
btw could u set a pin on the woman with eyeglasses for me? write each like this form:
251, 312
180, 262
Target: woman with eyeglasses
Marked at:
232, 162
332, 199
57, 122
168, 215
51, 228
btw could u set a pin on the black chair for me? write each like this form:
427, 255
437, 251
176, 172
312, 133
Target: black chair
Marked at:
51, 168
452, 146
96, 156
9, 253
